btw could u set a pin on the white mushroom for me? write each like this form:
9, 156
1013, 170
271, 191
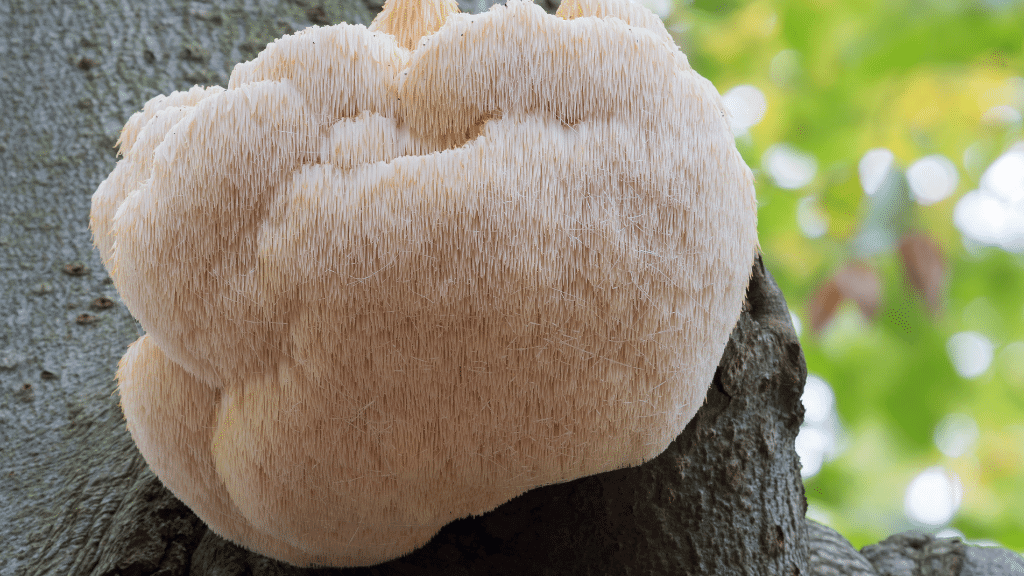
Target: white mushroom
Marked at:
385, 289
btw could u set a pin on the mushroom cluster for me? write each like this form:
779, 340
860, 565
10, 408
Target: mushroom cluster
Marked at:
398, 275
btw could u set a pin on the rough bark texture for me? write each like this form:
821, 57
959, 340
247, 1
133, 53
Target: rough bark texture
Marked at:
906, 554
77, 498
832, 555
913, 553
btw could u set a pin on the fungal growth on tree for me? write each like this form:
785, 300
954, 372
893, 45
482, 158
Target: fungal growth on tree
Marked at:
395, 276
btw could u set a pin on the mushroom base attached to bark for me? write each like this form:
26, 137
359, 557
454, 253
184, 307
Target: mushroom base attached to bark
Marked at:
398, 275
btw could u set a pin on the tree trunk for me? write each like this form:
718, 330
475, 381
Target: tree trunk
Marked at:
77, 498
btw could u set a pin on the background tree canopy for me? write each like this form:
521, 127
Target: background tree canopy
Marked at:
886, 139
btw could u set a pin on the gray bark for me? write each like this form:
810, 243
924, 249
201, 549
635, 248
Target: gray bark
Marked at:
77, 498
906, 554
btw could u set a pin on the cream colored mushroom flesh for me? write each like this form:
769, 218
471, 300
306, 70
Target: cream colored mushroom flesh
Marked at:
398, 275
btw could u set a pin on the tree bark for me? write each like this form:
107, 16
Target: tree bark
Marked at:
77, 498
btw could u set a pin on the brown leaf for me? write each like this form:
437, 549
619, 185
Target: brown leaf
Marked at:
823, 304
925, 267
860, 283
855, 281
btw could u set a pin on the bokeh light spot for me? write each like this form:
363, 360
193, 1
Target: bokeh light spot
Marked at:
746, 105
873, 168
811, 444
932, 179
956, 434
933, 497
970, 352
811, 218
818, 400
994, 214
788, 167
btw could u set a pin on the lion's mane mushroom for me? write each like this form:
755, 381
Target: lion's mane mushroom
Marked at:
397, 275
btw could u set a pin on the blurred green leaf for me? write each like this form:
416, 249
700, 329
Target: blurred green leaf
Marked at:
918, 78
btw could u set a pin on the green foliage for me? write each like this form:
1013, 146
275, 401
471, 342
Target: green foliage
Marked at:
915, 77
